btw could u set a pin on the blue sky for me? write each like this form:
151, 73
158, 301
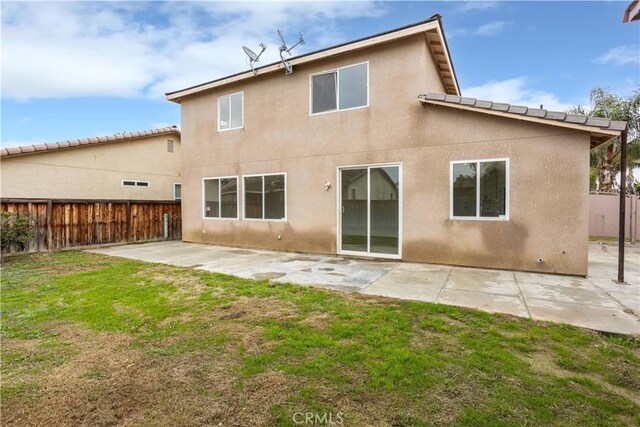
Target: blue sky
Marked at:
79, 69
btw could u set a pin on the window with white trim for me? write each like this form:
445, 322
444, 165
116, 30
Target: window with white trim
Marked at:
341, 89
231, 111
265, 197
220, 196
480, 189
177, 191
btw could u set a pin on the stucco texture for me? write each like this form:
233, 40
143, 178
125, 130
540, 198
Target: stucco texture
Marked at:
548, 178
96, 171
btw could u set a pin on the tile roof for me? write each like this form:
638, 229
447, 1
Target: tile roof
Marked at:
525, 111
602, 129
71, 143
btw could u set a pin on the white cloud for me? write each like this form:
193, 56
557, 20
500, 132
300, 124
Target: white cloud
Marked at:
477, 5
129, 49
621, 55
515, 91
492, 28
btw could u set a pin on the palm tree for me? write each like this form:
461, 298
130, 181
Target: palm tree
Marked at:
605, 159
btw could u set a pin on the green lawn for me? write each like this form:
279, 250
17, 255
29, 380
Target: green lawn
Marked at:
94, 340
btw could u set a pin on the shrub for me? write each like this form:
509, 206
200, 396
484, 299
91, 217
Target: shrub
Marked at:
14, 231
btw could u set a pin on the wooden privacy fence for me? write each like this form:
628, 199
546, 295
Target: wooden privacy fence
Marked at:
59, 224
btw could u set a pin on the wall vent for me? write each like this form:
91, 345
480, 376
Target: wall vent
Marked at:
169, 145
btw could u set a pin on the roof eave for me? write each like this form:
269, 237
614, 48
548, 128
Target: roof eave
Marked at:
431, 25
25, 150
598, 135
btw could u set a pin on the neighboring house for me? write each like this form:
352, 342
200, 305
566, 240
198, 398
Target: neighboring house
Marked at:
143, 165
632, 12
367, 149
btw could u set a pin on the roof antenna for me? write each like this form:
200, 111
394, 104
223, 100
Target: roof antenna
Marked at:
253, 58
284, 49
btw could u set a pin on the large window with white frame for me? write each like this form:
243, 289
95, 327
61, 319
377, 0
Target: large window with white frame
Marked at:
231, 111
265, 197
220, 197
341, 89
480, 189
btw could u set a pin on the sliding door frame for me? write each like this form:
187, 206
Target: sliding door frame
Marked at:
368, 253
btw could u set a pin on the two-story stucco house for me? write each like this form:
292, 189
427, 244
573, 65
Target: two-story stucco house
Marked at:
143, 165
367, 149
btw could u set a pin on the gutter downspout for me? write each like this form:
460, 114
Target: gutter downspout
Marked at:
623, 197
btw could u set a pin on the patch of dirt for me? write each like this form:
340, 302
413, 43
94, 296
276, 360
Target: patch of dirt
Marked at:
256, 309
185, 283
112, 382
319, 321
544, 362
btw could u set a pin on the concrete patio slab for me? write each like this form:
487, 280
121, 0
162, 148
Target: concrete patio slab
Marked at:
595, 302
493, 303
486, 281
594, 297
587, 316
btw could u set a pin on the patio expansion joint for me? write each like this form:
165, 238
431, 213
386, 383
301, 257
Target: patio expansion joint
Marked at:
444, 284
624, 307
381, 276
524, 300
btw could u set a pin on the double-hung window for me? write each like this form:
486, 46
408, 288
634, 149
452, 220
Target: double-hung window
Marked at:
480, 189
231, 111
220, 196
341, 89
265, 197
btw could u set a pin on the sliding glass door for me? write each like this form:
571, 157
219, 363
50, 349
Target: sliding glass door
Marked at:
370, 210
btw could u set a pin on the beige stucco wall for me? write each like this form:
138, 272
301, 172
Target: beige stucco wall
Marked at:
96, 171
549, 167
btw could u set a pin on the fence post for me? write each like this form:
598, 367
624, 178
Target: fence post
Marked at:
49, 225
633, 214
129, 221
166, 225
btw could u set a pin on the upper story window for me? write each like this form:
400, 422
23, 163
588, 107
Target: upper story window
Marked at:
177, 191
133, 183
231, 111
341, 89
480, 189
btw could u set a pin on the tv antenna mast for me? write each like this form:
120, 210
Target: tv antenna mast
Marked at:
284, 49
253, 58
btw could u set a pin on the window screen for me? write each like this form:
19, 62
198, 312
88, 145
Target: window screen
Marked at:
493, 184
274, 197
352, 90
253, 197
223, 111
323, 92
464, 189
